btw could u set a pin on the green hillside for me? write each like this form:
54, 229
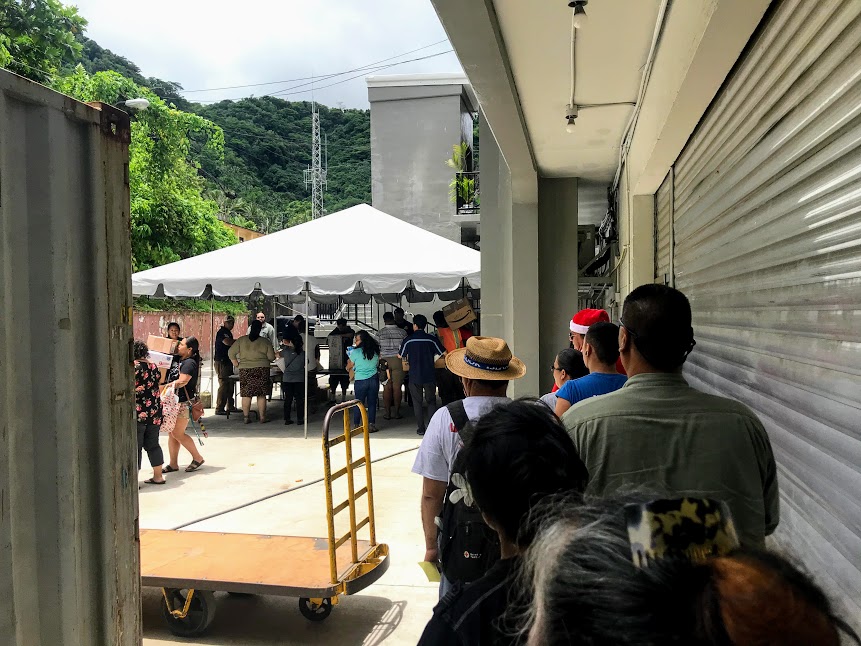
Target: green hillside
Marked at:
267, 146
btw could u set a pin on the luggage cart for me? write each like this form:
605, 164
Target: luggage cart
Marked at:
190, 566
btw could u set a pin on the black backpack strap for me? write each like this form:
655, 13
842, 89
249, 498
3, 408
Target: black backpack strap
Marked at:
458, 415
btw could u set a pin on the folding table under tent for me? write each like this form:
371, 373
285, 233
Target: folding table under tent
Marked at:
352, 253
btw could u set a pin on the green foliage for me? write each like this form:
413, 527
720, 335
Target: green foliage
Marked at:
171, 219
38, 37
462, 187
147, 304
267, 148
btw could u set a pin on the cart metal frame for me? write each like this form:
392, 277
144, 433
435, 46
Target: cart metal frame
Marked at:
189, 614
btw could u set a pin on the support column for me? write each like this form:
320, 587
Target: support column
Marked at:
642, 242
557, 269
509, 265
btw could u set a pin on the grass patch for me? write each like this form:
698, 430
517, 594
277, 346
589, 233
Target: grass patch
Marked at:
147, 304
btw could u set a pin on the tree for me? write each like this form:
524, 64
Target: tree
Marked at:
38, 37
171, 219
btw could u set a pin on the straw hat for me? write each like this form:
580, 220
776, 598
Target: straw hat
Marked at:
485, 357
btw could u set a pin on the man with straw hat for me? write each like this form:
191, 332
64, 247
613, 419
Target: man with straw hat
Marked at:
485, 366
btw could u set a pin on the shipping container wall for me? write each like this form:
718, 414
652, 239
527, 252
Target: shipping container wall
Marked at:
69, 553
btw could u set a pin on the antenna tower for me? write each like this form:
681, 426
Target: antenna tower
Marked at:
316, 174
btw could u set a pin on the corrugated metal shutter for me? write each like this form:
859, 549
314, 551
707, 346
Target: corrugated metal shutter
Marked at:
663, 222
768, 248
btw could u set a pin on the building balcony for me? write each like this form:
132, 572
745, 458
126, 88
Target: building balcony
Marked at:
467, 194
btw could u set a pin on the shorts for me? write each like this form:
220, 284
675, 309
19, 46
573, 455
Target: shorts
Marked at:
396, 367
339, 380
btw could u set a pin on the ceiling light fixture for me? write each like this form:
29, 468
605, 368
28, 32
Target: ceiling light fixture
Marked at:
571, 112
580, 17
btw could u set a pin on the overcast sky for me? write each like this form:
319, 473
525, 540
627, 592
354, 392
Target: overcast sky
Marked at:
204, 44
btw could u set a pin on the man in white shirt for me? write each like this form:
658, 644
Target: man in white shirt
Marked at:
485, 367
268, 332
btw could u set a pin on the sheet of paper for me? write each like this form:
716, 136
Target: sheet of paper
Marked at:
430, 570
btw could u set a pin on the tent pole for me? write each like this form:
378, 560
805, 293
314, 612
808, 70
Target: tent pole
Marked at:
212, 349
307, 348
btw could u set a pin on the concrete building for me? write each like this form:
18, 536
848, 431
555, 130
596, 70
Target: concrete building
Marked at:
729, 135
415, 121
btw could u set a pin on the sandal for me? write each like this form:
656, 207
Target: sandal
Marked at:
387, 416
194, 466
154, 481
398, 416
169, 469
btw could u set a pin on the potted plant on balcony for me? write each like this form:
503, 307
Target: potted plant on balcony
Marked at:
463, 189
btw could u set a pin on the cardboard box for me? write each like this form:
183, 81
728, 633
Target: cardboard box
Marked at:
459, 313
337, 353
160, 359
161, 344
163, 373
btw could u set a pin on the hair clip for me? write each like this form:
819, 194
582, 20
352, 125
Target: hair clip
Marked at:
694, 529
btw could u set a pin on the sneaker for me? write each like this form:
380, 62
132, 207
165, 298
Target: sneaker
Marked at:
287, 422
372, 428
420, 431
221, 412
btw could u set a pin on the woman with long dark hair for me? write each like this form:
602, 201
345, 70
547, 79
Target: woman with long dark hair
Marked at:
253, 354
365, 360
185, 386
148, 411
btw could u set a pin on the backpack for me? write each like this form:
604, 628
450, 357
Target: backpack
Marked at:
468, 547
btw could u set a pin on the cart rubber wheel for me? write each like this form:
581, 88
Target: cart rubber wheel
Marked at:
312, 611
201, 612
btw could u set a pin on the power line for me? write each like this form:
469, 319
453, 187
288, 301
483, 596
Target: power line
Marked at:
292, 90
320, 76
376, 69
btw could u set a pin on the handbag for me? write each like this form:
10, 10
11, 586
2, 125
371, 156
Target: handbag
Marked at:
195, 406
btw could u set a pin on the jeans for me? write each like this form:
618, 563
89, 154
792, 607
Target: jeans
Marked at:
429, 391
294, 390
367, 391
148, 439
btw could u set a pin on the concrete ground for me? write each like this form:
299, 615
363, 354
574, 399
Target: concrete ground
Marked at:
246, 462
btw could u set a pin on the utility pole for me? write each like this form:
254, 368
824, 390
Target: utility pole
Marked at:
316, 174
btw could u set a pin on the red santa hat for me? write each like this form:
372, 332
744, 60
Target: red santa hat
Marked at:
584, 319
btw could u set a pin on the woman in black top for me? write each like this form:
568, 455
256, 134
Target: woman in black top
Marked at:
185, 384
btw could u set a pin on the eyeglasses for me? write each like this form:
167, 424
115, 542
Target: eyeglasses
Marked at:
630, 331
261, 318
555, 369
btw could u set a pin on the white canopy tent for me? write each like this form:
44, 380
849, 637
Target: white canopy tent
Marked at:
356, 251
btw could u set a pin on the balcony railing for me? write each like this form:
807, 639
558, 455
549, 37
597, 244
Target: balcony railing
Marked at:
467, 193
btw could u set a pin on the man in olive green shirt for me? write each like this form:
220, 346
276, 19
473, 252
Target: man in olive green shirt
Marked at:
658, 434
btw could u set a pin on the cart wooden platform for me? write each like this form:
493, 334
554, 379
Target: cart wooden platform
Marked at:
190, 566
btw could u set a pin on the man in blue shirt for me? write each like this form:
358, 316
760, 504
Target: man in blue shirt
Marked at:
600, 353
420, 349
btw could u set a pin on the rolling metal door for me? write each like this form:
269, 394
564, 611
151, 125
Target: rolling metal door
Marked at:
663, 222
767, 226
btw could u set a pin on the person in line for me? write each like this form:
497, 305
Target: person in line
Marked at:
583, 587
580, 324
419, 349
485, 367
148, 411
518, 454
448, 383
253, 355
600, 353
342, 329
293, 379
401, 322
659, 432
185, 386
567, 365
223, 367
173, 333
268, 332
365, 360
391, 337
